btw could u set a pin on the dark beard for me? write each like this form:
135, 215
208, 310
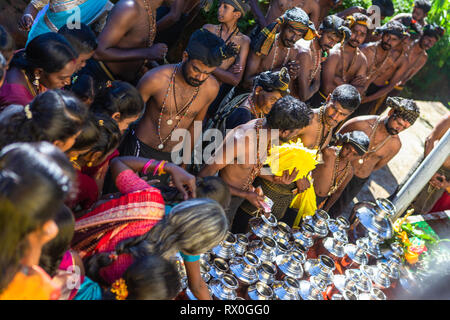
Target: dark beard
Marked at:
190, 81
385, 47
390, 130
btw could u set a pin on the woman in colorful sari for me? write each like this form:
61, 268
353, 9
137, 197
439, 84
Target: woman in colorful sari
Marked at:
192, 227
48, 62
50, 15
34, 180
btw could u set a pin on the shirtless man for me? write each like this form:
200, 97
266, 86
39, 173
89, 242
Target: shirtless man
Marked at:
332, 176
387, 66
345, 63
419, 13
176, 96
126, 42
417, 54
230, 72
317, 135
313, 53
384, 145
440, 182
287, 117
274, 47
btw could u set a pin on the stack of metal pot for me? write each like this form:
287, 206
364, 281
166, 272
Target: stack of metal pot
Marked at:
322, 259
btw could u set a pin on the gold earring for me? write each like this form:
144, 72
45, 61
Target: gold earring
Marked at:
90, 164
36, 80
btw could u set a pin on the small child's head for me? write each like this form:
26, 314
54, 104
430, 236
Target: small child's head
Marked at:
83, 87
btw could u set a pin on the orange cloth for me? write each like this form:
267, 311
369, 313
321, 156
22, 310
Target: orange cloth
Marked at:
36, 285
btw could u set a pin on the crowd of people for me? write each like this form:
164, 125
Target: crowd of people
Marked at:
93, 203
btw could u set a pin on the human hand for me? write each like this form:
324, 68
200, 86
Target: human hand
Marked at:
236, 68
25, 22
286, 178
255, 197
293, 68
438, 181
183, 181
157, 51
302, 185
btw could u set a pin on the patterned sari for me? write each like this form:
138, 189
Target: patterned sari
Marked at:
133, 214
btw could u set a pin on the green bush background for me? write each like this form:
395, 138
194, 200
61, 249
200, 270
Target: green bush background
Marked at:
432, 82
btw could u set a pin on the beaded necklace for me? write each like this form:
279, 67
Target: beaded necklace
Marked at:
256, 169
344, 72
253, 107
151, 26
373, 149
317, 62
376, 68
336, 182
219, 33
178, 117
321, 129
275, 54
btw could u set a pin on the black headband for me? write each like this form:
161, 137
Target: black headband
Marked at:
358, 139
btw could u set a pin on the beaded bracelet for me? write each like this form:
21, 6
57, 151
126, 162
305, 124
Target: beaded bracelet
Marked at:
159, 168
147, 165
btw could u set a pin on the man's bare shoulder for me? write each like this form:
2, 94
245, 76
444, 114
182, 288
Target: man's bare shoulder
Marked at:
210, 27
212, 85
243, 39
157, 77
362, 123
130, 7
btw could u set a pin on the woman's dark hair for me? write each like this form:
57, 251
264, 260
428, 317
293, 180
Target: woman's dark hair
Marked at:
84, 87
53, 251
120, 97
49, 51
347, 95
52, 115
151, 278
89, 135
108, 134
33, 185
7, 44
289, 113
82, 39
207, 187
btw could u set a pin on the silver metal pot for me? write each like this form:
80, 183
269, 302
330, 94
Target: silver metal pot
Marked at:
322, 268
219, 268
312, 289
306, 236
335, 244
282, 232
339, 224
357, 253
225, 288
241, 244
262, 226
246, 269
225, 249
288, 289
381, 276
267, 272
260, 291
266, 249
291, 264
319, 223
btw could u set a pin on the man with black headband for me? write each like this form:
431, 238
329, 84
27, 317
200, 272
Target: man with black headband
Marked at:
230, 72
176, 96
387, 65
418, 15
313, 53
345, 63
332, 176
273, 48
384, 145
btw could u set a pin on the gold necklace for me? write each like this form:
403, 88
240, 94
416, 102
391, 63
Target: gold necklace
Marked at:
336, 182
275, 54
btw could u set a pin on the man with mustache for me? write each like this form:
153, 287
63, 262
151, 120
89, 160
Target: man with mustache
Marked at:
384, 145
313, 53
387, 66
345, 63
317, 135
273, 48
240, 158
176, 96
418, 15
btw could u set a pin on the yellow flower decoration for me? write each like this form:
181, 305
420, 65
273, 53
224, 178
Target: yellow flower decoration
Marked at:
291, 155
119, 288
